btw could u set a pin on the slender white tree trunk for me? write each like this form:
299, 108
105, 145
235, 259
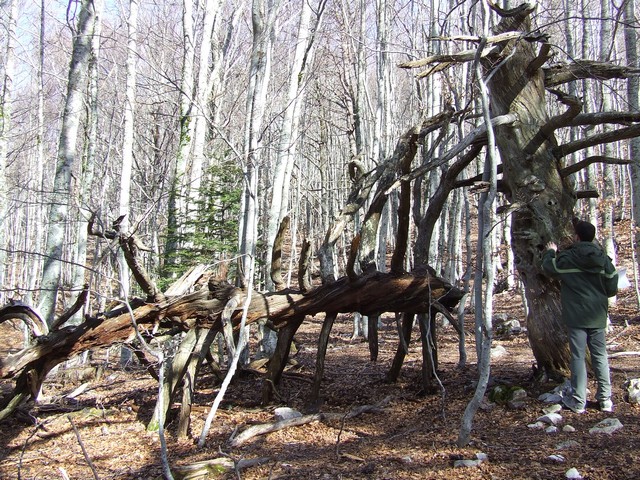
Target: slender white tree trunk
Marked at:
9, 13
38, 168
608, 200
59, 207
290, 126
383, 117
202, 114
124, 208
89, 161
264, 14
633, 98
177, 209
486, 242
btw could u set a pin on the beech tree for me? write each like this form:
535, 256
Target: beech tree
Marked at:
341, 180
9, 11
67, 155
535, 179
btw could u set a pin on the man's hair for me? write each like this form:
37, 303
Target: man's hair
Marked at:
585, 231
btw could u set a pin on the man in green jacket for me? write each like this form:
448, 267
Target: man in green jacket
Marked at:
587, 280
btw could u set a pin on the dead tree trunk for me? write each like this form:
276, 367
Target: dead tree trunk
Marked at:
285, 310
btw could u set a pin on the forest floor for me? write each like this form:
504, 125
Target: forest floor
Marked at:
412, 435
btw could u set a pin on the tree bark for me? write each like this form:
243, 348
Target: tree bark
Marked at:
9, 23
59, 207
203, 309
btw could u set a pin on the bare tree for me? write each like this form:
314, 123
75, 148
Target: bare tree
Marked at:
9, 17
67, 154
534, 180
124, 211
309, 23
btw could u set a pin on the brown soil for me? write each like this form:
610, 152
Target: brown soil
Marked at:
413, 437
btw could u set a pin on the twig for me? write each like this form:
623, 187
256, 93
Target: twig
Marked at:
84, 450
342, 422
624, 354
26, 442
354, 412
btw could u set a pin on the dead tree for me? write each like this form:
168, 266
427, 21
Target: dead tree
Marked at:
370, 293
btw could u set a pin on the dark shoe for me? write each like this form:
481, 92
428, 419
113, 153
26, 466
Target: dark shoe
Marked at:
568, 403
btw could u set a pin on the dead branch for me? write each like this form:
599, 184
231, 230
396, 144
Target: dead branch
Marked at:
265, 428
404, 210
562, 151
17, 310
304, 282
84, 450
78, 304
582, 69
369, 294
365, 183
130, 245
202, 469
576, 167
587, 194
460, 147
624, 354
599, 118
276, 256
545, 133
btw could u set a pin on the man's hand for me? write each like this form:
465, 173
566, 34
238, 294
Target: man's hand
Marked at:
552, 246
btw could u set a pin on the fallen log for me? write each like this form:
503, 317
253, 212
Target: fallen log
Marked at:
264, 428
369, 294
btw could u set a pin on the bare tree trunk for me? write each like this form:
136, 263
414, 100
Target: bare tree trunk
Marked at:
633, 97
177, 199
38, 208
202, 119
9, 12
264, 16
531, 171
285, 159
88, 166
124, 210
486, 236
608, 202
59, 207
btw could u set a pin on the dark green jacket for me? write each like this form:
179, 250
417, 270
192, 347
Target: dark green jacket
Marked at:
587, 279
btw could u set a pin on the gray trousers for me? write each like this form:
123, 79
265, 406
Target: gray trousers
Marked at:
594, 338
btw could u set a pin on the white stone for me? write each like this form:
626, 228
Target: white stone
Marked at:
466, 463
568, 429
285, 413
551, 429
567, 444
550, 418
498, 351
555, 408
573, 473
483, 457
608, 426
537, 425
632, 386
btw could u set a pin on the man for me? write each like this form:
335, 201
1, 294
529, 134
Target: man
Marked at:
587, 279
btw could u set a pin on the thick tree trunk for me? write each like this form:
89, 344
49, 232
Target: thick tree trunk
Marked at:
532, 178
